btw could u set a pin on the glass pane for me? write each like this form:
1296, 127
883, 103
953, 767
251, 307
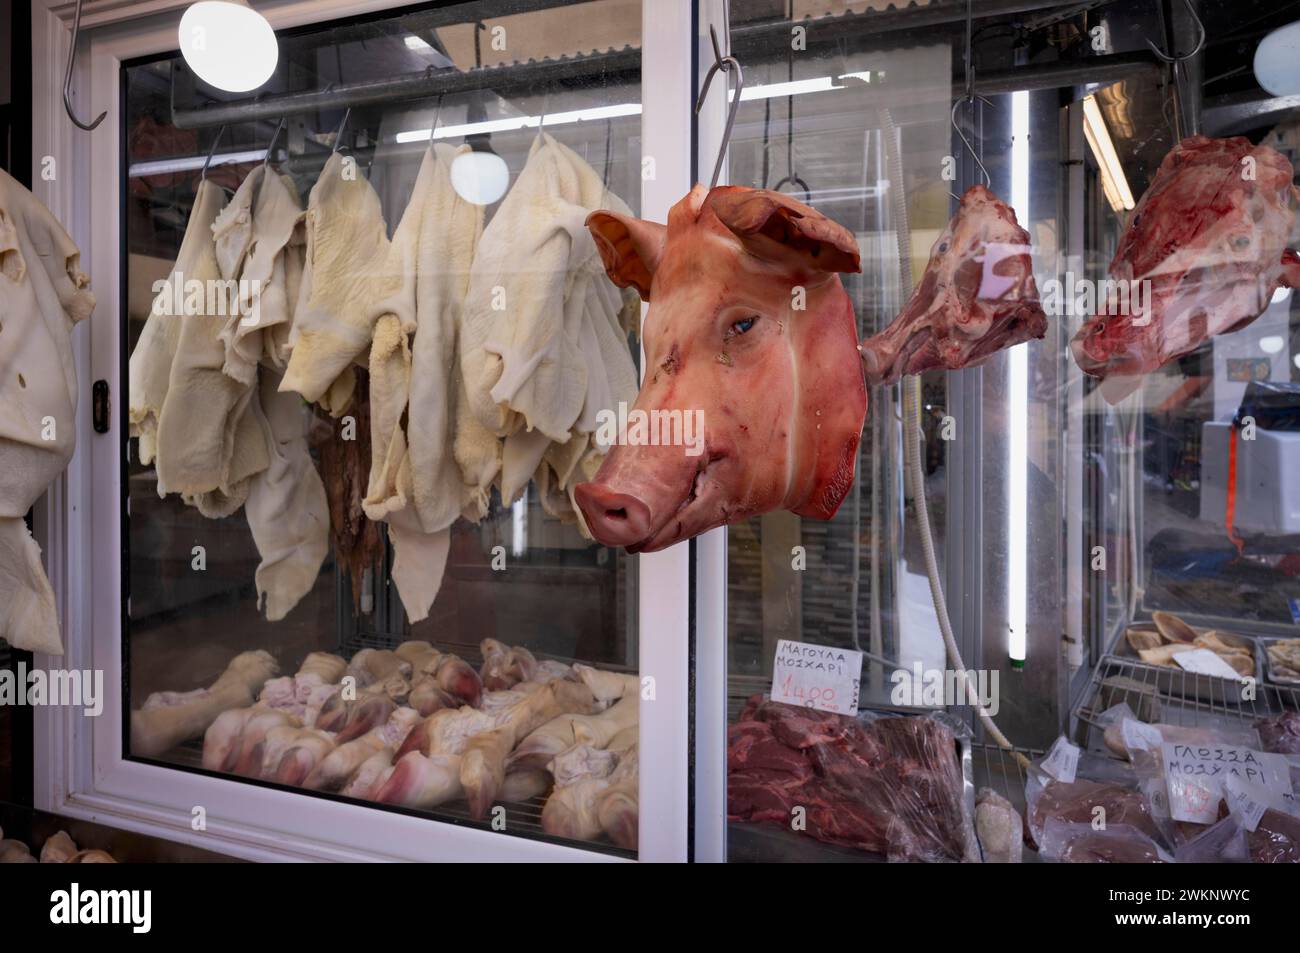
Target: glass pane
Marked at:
834, 125
372, 391
1064, 513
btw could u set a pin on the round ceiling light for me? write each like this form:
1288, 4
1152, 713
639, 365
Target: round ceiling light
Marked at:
228, 44
480, 177
1277, 61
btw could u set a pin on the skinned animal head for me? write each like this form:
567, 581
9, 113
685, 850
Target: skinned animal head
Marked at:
753, 398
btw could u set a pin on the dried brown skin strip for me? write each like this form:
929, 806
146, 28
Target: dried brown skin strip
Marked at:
345, 470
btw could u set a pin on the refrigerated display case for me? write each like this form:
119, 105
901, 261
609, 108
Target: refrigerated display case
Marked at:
1011, 512
1062, 519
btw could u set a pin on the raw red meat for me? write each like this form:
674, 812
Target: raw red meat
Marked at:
1076, 802
977, 297
1281, 733
1114, 845
1210, 235
891, 786
1276, 840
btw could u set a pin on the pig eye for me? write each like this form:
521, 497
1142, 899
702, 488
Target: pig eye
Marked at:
741, 327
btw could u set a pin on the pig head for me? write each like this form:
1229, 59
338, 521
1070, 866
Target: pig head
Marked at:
751, 334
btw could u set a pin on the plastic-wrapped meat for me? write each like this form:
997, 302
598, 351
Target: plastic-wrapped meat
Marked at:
1281, 733
892, 786
764, 777
1076, 803
1070, 843
1210, 236
1000, 829
1276, 840
977, 296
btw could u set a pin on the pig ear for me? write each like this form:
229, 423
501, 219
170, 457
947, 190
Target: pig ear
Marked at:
776, 228
629, 247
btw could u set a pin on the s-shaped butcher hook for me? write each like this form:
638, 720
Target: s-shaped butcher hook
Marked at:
970, 96
1176, 58
1175, 61
67, 77
726, 64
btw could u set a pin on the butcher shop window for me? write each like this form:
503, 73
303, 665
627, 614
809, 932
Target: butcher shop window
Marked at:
337, 526
1110, 493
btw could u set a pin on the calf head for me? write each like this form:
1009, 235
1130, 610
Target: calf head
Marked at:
751, 334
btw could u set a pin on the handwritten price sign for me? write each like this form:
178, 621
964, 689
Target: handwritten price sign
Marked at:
1196, 774
816, 676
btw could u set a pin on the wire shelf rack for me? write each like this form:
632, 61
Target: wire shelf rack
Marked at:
1161, 694
996, 768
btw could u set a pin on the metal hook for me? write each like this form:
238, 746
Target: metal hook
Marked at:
609, 133
270, 146
969, 59
1200, 40
795, 180
211, 152
478, 52
67, 77
988, 181
437, 114
338, 136
546, 105
970, 96
725, 64
791, 177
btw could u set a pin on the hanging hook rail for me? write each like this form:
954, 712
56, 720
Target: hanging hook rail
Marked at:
211, 152
724, 64
67, 77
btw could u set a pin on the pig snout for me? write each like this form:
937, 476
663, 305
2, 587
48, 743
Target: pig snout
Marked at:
614, 518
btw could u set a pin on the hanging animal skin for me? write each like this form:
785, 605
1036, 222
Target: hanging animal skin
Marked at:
753, 398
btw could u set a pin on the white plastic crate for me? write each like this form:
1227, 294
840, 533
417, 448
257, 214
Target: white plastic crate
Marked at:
1268, 479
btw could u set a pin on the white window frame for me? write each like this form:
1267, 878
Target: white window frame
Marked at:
79, 769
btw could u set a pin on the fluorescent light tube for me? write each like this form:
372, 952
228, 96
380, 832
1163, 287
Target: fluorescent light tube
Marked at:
770, 91
1018, 412
189, 163
519, 526
522, 122
1113, 180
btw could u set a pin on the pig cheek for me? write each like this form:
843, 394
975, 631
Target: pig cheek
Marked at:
758, 419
